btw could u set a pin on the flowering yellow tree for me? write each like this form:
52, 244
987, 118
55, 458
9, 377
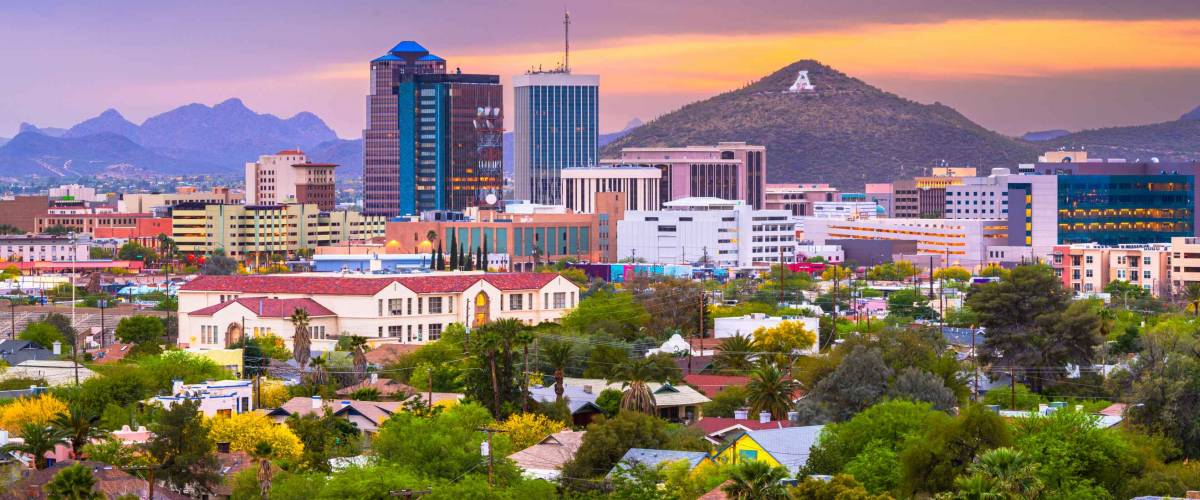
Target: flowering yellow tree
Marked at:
784, 337
526, 429
273, 394
244, 431
40, 410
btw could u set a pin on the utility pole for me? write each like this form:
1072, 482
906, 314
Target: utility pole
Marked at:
74, 334
931, 277
486, 448
429, 375
781, 276
974, 366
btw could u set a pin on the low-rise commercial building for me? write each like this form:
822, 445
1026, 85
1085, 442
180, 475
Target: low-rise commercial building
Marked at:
1089, 267
961, 242
728, 170
44, 248
217, 311
159, 202
798, 198
708, 230
221, 397
256, 233
640, 185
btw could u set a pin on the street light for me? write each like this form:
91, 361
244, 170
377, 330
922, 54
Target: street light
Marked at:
74, 334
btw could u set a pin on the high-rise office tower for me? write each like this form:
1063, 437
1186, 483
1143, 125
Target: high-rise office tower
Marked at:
433, 138
555, 127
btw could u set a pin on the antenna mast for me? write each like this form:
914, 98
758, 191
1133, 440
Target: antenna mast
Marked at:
566, 42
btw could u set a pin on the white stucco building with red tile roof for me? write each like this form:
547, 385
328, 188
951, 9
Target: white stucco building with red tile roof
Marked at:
215, 310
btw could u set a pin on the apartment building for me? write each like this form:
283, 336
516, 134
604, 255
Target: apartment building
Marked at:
217, 311
798, 198
255, 233
44, 248
290, 177
1089, 267
725, 233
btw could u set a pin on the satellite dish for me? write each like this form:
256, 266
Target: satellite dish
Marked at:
490, 199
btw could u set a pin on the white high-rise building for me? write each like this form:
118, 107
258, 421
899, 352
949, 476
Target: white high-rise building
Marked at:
556, 126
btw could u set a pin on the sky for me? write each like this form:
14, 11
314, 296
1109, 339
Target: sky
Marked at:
1009, 65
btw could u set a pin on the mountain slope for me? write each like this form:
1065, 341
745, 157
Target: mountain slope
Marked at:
845, 132
347, 153
33, 153
1177, 140
108, 121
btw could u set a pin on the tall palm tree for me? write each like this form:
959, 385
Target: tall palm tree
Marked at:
318, 370
634, 375
358, 348
734, 355
38, 440
770, 390
75, 482
301, 342
1012, 471
79, 426
558, 356
262, 452
1192, 294
756, 480
977, 487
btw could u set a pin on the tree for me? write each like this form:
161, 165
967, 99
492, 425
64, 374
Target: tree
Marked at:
317, 373
1165, 383
675, 305
184, 449
770, 390
916, 384
497, 377
42, 334
64, 326
358, 347
527, 429
444, 445
40, 410
263, 451
1192, 294
218, 264
134, 251
836, 273
79, 425
301, 345
634, 376
733, 354
244, 431
1032, 323
609, 401
1020, 396
910, 303
615, 313
1010, 471
891, 423
454, 261
783, 339
605, 361
952, 273
840, 487
1073, 450
440, 258
893, 271
859, 381
607, 440
945, 449
37, 440
323, 437
558, 356
144, 332
756, 480
59, 230
74, 482
724, 403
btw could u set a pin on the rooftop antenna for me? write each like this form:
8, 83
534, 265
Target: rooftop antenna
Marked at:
566, 42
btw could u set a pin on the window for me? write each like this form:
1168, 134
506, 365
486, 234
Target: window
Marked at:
420, 305
420, 332
435, 331
515, 302
435, 305
396, 306
208, 334
560, 300
1088, 259
318, 332
1088, 273
747, 455
1146, 274
1146, 260
394, 331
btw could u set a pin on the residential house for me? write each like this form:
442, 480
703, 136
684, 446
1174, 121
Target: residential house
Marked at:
581, 401
787, 447
14, 352
386, 387
367, 416
54, 372
384, 354
653, 458
1105, 419
222, 397
111, 482
674, 403
230, 463
545, 459
718, 429
710, 385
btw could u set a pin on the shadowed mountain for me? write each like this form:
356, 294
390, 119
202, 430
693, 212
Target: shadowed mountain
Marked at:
1177, 140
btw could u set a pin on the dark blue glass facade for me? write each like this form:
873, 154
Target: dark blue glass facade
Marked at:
1119, 209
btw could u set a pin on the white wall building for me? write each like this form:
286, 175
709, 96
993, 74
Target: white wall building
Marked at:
730, 233
832, 254
640, 185
845, 209
215, 310
222, 397
44, 248
1028, 202
962, 242
77, 192
289, 177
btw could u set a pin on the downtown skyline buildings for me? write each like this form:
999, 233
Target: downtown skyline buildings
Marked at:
556, 127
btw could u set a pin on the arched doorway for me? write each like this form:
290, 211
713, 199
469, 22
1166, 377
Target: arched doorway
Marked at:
233, 335
482, 310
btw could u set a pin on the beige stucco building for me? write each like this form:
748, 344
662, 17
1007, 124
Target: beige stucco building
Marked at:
1088, 267
245, 232
289, 177
216, 310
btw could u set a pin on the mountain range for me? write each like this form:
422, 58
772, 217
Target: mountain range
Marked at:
190, 139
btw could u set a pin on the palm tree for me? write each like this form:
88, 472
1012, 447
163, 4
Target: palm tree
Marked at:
301, 343
770, 390
633, 375
358, 347
37, 441
79, 427
756, 480
1012, 471
734, 355
976, 487
558, 355
262, 453
318, 370
1192, 293
75, 482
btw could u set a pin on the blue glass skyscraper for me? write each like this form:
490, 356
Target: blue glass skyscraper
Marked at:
556, 127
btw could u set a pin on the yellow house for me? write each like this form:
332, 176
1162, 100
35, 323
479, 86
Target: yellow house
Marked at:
787, 447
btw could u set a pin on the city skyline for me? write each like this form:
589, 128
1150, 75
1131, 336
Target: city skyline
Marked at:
1025, 65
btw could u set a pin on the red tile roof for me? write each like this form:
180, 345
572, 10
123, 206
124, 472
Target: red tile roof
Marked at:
386, 353
709, 425
333, 285
289, 152
385, 386
1114, 410
710, 385
111, 353
269, 308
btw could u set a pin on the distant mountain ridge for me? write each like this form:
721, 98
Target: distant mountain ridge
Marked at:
844, 132
1176, 141
190, 139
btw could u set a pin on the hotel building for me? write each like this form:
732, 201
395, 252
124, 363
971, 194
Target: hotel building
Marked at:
289, 177
639, 184
726, 233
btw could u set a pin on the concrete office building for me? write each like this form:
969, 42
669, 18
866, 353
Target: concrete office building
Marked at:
882, 194
728, 170
289, 177
555, 128
44, 248
256, 233
728, 233
640, 185
433, 139
797, 198
132, 203
962, 242
1185, 262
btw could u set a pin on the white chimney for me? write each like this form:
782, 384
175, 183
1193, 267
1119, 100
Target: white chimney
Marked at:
793, 416
3, 438
176, 386
741, 414
56, 348
374, 378
764, 417
316, 402
345, 404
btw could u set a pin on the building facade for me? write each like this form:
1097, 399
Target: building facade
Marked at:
257, 233
218, 311
44, 248
1089, 267
289, 177
962, 242
639, 184
22, 212
1185, 262
133, 203
433, 139
556, 126
709, 231
89, 223
728, 170
797, 198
